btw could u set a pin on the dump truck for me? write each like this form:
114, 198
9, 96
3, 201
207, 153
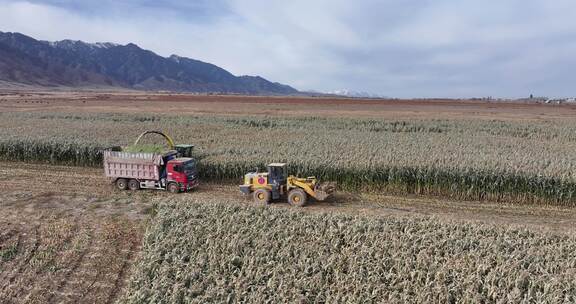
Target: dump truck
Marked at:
173, 169
274, 184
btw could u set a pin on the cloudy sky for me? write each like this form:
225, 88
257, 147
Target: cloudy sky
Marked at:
398, 48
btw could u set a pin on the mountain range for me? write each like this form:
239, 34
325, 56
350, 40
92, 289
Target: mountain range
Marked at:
68, 63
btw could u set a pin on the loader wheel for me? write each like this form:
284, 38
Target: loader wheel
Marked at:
297, 197
133, 185
121, 184
262, 196
173, 188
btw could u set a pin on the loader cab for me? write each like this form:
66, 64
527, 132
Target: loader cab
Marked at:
277, 173
277, 179
274, 180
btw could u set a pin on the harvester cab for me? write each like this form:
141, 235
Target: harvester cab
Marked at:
184, 150
271, 185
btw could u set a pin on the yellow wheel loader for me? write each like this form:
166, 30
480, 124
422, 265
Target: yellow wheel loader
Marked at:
274, 184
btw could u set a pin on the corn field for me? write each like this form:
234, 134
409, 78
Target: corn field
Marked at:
520, 162
220, 252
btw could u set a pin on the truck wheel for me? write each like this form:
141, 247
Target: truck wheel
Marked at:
297, 197
262, 196
173, 188
121, 184
133, 184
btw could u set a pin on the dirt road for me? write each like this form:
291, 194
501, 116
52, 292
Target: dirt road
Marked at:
20, 181
66, 235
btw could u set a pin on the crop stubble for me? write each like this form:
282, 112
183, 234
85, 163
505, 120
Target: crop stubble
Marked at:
58, 248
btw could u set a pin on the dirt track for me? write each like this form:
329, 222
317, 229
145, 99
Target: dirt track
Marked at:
21, 181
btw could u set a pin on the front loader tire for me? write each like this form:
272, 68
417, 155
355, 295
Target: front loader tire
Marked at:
121, 184
297, 197
262, 197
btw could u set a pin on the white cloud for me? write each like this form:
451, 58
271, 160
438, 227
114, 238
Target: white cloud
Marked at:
393, 47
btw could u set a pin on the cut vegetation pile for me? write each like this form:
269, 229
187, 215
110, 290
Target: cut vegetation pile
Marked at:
149, 148
206, 252
521, 162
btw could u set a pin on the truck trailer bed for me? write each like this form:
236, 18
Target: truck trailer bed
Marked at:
142, 166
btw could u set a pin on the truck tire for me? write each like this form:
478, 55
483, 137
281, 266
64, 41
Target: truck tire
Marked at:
133, 185
121, 184
173, 187
262, 196
297, 197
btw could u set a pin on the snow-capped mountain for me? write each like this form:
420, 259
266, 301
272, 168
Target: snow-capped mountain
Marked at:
75, 44
356, 94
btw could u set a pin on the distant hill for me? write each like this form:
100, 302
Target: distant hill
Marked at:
67, 63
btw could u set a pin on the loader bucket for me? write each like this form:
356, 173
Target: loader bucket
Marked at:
324, 190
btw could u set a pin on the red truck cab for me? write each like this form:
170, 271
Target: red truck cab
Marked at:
181, 174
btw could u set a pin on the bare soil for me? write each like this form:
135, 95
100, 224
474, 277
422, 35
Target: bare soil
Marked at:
122, 102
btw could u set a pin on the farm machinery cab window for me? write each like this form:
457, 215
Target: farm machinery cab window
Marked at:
276, 173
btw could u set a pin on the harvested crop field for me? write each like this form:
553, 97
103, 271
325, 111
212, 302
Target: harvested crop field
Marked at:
59, 249
187, 104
